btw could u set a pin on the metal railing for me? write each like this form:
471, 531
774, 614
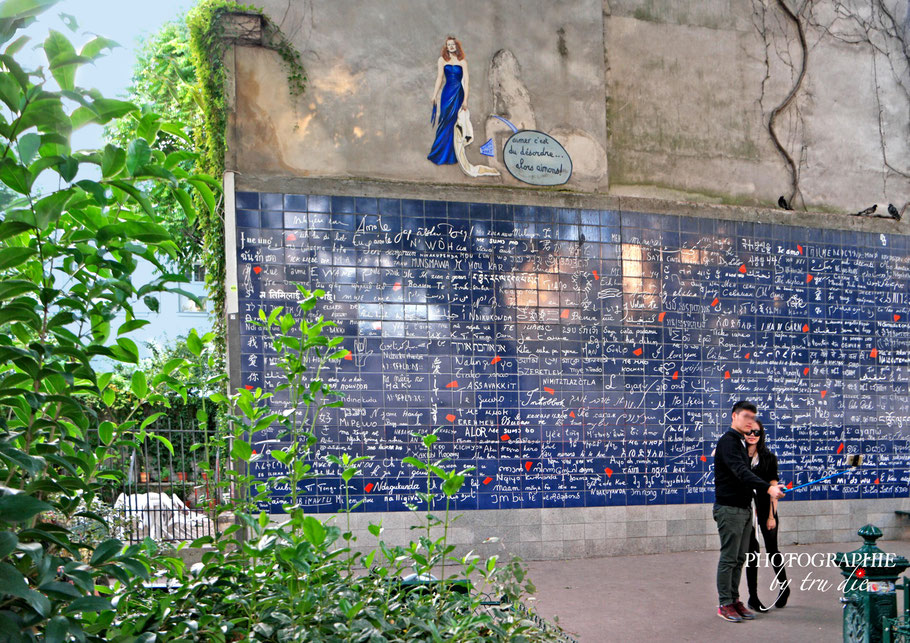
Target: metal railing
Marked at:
169, 496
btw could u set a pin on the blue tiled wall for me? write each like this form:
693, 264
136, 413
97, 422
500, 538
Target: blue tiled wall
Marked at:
583, 357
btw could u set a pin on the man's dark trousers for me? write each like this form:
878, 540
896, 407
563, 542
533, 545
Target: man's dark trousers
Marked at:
733, 525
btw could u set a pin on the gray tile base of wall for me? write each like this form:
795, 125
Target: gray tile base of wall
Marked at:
554, 534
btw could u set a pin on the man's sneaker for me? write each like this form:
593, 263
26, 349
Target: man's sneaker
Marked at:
745, 613
729, 613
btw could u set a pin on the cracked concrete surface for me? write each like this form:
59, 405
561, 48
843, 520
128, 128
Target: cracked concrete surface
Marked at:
681, 97
694, 88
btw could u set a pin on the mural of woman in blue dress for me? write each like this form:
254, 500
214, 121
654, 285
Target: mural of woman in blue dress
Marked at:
452, 68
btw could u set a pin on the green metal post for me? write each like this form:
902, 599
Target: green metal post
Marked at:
870, 593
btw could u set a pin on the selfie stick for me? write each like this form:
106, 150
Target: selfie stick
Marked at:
850, 460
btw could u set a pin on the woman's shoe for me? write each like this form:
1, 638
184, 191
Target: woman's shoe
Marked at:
756, 605
782, 598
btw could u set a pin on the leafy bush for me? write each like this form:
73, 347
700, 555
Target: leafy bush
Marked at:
67, 263
300, 580
185, 416
164, 82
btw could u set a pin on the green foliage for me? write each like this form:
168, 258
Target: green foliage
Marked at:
67, 262
164, 82
67, 270
185, 406
302, 349
300, 580
180, 72
208, 46
427, 551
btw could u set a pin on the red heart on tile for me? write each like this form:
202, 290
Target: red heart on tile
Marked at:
496, 360
806, 371
704, 458
661, 316
549, 390
596, 276
840, 447
397, 286
487, 480
748, 355
805, 328
809, 278
504, 437
450, 417
800, 248
726, 375
248, 387
789, 485
565, 313
675, 375
369, 487
715, 302
528, 465
823, 393
877, 481
572, 414
257, 269
743, 269
873, 352
608, 471
452, 384
897, 318
292, 236
637, 352
349, 356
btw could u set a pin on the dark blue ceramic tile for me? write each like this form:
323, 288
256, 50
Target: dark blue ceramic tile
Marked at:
272, 219
390, 206
248, 219
268, 201
247, 200
411, 208
318, 203
435, 210
457, 210
342, 205
296, 220
295, 202
366, 206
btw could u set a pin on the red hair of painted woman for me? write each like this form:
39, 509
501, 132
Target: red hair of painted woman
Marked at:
459, 52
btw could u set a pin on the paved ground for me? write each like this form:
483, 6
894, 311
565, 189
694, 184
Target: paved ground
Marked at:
672, 597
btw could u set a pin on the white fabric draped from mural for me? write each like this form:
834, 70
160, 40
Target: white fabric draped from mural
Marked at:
464, 136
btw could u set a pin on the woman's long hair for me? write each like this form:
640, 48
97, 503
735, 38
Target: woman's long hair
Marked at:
761, 447
459, 52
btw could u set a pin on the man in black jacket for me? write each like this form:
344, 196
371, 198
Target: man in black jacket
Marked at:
733, 486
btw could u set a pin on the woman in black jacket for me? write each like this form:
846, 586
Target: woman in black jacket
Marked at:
764, 465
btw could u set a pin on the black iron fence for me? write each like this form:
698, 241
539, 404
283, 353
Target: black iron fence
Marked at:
169, 496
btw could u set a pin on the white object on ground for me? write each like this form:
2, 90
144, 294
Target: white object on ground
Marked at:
162, 516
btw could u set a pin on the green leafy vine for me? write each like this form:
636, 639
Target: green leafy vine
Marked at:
208, 44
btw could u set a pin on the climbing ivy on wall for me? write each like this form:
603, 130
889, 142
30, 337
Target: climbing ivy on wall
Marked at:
209, 44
